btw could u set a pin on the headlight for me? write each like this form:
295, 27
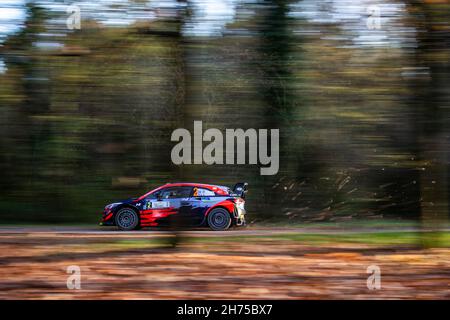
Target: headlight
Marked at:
112, 205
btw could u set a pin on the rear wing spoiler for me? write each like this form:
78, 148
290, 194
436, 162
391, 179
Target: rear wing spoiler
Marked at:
240, 189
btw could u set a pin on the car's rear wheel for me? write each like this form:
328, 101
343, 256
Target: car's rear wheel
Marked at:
127, 219
219, 219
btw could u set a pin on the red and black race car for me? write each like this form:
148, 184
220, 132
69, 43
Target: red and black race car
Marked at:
180, 204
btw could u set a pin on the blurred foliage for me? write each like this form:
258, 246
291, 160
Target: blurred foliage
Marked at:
86, 115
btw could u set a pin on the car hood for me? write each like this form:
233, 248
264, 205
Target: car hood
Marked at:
125, 201
129, 200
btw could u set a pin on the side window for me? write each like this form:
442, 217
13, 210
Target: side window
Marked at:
153, 195
175, 192
200, 192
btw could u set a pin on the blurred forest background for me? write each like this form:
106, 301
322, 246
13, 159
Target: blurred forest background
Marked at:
360, 91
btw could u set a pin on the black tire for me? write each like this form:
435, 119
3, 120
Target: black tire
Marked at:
219, 219
127, 219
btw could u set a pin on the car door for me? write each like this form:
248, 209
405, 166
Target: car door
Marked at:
167, 202
196, 206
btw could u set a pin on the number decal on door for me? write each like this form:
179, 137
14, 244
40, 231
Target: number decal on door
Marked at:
159, 204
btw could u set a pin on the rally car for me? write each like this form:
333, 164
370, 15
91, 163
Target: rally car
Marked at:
180, 204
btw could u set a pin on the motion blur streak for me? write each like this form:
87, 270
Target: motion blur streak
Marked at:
363, 114
359, 91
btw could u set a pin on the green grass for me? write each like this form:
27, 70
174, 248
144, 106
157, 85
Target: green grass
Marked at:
434, 239
427, 239
423, 239
357, 223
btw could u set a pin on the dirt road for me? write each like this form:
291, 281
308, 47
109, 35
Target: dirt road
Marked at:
243, 264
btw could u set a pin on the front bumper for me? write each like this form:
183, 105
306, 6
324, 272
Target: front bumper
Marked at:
107, 218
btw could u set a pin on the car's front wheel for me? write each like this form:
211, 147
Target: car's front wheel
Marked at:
127, 219
219, 219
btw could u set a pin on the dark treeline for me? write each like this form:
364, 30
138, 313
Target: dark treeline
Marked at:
363, 113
